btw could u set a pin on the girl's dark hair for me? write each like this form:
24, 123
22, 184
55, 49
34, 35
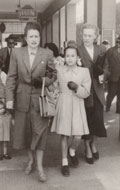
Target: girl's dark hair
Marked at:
52, 47
32, 25
71, 47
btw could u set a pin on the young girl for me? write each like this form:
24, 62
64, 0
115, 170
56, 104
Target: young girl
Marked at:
70, 118
5, 121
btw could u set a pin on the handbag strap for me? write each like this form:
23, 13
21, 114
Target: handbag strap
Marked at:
43, 87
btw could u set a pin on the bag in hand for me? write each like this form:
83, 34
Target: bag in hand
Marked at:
47, 103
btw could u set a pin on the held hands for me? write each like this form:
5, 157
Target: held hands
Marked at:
72, 86
37, 82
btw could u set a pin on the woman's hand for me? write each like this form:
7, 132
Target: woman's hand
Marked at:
72, 86
9, 105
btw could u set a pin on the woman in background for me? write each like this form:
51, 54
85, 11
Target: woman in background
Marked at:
91, 56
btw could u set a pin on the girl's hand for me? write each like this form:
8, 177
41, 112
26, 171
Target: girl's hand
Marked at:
9, 105
72, 86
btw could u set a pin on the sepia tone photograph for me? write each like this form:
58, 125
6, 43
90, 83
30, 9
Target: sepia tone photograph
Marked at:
59, 94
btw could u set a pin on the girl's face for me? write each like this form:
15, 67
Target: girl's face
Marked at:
71, 57
88, 36
33, 38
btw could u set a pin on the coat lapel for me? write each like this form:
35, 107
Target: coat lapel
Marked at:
26, 58
37, 59
86, 59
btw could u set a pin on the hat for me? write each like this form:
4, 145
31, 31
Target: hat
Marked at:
105, 42
9, 38
118, 38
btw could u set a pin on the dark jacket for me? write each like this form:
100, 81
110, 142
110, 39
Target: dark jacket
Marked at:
96, 68
112, 59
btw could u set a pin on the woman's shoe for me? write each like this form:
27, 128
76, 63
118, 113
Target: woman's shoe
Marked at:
96, 155
29, 168
89, 160
7, 156
42, 176
65, 171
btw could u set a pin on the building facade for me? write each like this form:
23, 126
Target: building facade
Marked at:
62, 20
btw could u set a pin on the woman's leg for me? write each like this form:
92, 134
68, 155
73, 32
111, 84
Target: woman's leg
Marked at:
39, 156
88, 152
64, 148
93, 148
30, 163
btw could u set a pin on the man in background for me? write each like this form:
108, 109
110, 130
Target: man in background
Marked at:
5, 53
113, 60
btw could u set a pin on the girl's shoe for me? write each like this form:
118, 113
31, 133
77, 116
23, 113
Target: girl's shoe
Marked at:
7, 156
65, 171
74, 160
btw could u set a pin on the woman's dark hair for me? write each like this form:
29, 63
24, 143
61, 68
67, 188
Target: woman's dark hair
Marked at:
32, 26
53, 48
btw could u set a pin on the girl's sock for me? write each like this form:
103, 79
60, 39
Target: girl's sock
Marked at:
64, 162
72, 152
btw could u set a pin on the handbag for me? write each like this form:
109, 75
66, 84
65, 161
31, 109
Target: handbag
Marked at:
46, 102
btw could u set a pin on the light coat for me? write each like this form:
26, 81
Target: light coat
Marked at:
70, 118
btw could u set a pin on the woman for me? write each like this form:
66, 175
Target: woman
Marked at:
27, 67
92, 57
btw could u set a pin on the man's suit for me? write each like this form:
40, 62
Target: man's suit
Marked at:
19, 88
5, 59
113, 60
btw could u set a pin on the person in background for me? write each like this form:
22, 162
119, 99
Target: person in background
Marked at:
53, 48
112, 58
5, 119
91, 57
70, 118
106, 44
28, 66
6, 52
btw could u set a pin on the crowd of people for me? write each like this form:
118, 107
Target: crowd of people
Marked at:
77, 78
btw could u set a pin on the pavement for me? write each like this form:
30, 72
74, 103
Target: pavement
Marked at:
104, 174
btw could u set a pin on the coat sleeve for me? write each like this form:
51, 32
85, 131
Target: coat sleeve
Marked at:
51, 73
11, 78
84, 89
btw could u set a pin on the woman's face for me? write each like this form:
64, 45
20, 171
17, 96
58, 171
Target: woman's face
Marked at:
71, 57
33, 38
88, 36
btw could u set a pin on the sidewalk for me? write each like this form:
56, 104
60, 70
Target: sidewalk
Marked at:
103, 175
